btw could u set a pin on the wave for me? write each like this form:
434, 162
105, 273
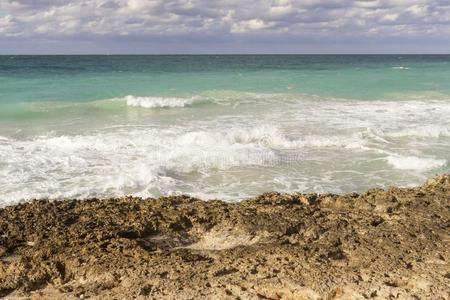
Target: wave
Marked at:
419, 103
414, 163
158, 102
141, 161
214, 150
423, 95
401, 68
434, 131
152, 161
273, 137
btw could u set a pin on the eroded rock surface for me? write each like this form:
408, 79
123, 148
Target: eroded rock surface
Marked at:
378, 245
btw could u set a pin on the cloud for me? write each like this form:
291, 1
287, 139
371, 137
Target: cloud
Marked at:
237, 21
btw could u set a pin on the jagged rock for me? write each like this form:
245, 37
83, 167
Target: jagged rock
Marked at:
276, 246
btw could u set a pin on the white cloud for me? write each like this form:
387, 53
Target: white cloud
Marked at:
249, 25
195, 19
418, 10
389, 18
281, 10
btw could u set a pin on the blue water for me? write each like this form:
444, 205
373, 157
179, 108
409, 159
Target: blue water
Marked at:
220, 126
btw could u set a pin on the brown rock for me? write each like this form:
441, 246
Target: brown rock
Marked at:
384, 243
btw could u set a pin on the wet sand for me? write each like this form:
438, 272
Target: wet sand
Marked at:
382, 244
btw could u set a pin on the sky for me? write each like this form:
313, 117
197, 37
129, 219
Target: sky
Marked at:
228, 26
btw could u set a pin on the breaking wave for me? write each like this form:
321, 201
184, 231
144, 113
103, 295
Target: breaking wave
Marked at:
415, 163
134, 152
434, 131
158, 102
142, 161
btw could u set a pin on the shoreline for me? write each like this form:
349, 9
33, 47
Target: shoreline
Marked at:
379, 244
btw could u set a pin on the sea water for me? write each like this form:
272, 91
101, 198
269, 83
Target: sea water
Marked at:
214, 126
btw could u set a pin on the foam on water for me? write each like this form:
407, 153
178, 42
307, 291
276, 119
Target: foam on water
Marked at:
148, 161
434, 131
400, 68
274, 138
415, 163
242, 144
114, 163
158, 102
220, 126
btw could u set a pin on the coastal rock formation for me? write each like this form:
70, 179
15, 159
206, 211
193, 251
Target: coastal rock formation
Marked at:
382, 244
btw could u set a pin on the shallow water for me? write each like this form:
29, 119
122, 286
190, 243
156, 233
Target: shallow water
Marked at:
219, 126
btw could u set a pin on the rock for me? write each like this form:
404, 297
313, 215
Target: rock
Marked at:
277, 246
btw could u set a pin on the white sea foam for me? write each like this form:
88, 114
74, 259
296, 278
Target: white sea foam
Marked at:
143, 161
414, 163
274, 138
434, 131
226, 152
400, 68
158, 102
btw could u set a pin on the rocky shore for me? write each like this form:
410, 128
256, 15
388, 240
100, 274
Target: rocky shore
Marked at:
382, 244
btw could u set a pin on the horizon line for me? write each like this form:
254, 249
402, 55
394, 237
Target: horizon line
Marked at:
198, 54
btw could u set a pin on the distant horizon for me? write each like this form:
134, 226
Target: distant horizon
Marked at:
206, 54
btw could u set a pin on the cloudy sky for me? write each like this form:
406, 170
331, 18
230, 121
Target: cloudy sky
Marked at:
227, 26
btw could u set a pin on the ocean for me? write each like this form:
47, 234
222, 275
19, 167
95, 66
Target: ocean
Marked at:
220, 126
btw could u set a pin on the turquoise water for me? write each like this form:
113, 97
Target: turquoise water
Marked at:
219, 126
